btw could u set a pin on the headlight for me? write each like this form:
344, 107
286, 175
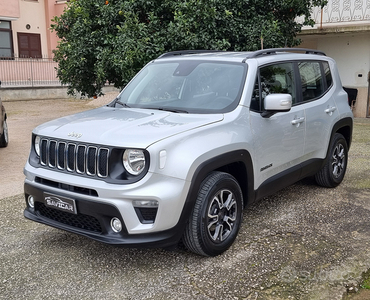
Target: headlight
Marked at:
37, 145
134, 161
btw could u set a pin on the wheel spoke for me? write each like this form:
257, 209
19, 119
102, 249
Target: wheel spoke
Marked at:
217, 202
335, 170
218, 232
341, 153
213, 220
230, 222
229, 202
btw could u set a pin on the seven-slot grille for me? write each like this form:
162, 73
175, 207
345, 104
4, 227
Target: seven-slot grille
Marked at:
72, 157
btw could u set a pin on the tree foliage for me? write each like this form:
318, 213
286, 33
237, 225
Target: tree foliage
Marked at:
110, 40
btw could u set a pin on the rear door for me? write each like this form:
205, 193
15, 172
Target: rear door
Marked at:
319, 104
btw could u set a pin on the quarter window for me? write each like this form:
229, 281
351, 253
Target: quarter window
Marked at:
311, 80
327, 73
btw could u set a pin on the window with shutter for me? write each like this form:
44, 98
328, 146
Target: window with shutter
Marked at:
29, 45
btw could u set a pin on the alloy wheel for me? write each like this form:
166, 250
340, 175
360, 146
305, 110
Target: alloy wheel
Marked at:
221, 215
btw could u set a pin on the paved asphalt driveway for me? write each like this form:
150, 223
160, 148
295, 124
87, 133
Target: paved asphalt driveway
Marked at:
305, 242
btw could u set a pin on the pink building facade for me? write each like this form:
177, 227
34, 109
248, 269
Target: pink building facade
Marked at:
25, 27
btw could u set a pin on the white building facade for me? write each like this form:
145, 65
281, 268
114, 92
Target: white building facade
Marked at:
342, 31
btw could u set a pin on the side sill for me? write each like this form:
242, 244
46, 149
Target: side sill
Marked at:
288, 177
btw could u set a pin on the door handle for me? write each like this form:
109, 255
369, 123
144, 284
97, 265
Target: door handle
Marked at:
330, 110
297, 121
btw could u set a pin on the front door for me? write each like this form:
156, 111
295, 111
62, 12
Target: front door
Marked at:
278, 140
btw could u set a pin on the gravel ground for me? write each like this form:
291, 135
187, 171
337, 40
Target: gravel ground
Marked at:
304, 242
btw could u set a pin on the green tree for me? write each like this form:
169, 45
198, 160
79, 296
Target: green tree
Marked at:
110, 40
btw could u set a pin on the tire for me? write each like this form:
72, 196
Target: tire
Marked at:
4, 138
216, 217
332, 173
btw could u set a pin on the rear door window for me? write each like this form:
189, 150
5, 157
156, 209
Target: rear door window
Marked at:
315, 79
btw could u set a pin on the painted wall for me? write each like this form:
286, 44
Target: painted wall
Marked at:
351, 52
52, 9
352, 55
32, 13
9, 9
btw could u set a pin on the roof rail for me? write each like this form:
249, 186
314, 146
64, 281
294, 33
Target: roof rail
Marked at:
184, 52
275, 50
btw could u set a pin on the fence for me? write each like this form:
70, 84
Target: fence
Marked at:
28, 72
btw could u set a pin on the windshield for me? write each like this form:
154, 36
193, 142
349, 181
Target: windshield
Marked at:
186, 86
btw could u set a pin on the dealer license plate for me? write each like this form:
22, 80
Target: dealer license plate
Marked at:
60, 203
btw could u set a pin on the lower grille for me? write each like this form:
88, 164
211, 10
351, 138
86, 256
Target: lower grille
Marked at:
67, 187
146, 215
80, 221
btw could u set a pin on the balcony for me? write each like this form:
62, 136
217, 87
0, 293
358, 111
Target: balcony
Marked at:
340, 16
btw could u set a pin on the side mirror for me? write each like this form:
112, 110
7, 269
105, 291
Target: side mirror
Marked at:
275, 103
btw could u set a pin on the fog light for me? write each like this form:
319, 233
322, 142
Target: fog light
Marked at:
31, 201
116, 224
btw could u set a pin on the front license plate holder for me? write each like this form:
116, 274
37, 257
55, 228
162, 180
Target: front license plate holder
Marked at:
67, 205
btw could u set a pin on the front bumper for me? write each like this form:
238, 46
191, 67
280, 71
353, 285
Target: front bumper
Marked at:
93, 221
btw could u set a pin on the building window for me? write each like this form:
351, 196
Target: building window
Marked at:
6, 41
29, 45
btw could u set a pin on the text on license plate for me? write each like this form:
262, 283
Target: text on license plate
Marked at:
60, 203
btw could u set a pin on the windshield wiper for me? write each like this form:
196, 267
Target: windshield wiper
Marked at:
119, 102
174, 110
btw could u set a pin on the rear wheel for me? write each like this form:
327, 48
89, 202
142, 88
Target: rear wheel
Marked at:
332, 173
216, 217
4, 138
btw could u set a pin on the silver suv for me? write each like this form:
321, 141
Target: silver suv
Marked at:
194, 138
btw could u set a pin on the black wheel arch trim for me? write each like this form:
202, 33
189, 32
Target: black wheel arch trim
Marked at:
218, 163
344, 127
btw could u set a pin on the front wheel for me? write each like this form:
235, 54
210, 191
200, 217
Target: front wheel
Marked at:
216, 217
332, 173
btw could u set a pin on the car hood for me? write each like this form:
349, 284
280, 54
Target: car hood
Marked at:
123, 127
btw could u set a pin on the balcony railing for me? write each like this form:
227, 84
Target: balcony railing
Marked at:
341, 11
345, 11
28, 72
